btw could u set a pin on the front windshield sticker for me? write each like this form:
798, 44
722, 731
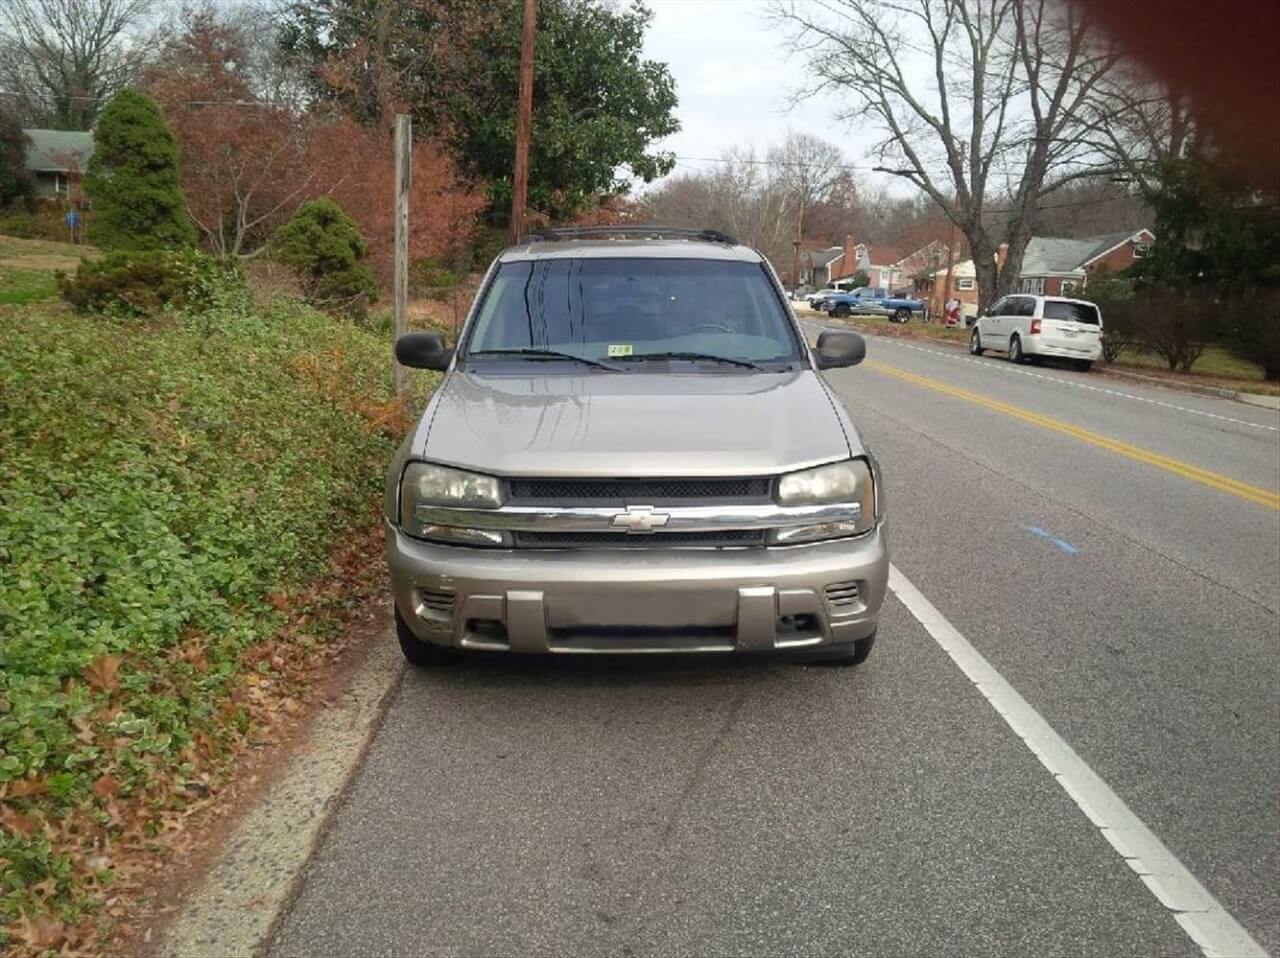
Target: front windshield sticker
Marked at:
620, 349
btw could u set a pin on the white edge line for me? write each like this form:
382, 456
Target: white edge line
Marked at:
1199, 914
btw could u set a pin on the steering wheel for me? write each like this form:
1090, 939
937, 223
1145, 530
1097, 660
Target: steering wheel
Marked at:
715, 326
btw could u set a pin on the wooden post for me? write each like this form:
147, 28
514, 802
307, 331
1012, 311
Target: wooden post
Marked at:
404, 175
524, 125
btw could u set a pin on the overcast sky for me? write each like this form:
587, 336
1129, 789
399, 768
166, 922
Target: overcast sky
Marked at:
734, 75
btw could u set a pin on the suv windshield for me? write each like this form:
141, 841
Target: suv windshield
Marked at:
1077, 312
621, 310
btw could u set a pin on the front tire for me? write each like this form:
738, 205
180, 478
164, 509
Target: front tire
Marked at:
1015, 351
841, 310
418, 653
975, 343
1084, 365
902, 316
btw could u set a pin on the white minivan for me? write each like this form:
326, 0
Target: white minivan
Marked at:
1027, 327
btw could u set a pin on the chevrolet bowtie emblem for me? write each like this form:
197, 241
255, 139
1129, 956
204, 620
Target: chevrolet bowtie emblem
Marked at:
639, 520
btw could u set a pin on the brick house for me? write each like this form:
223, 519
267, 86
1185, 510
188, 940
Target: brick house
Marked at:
1061, 267
964, 287
1052, 266
882, 264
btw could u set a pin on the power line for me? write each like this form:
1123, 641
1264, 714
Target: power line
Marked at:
857, 168
258, 104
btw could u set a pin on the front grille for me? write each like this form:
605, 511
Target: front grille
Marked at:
842, 594
658, 540
638, 491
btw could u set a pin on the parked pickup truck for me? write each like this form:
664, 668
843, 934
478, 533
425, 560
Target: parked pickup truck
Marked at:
865, 301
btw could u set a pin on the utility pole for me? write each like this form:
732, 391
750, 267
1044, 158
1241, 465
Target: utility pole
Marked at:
524, 124
795, 258
951, 258
404, 175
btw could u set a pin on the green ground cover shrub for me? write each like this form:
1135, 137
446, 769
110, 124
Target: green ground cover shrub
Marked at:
159, 484
140, 282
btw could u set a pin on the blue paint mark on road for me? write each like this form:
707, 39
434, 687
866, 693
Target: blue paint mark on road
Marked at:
1062, 544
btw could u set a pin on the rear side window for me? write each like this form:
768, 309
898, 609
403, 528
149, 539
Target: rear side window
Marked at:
1023, 306
1076, 312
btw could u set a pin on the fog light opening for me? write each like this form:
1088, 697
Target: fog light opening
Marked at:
490, 630
804, 625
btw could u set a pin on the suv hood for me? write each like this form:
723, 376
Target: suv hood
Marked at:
632, 424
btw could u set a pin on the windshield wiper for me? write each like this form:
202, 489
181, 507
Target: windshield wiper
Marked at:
529, 352
695, 357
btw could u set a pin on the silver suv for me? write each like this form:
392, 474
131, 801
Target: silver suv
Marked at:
631, 450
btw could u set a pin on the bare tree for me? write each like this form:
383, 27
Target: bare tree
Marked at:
753, 201
808, 168
744, 196
65, 58
975, 98
1140, 123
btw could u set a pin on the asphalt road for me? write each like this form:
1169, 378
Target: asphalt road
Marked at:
1092, 541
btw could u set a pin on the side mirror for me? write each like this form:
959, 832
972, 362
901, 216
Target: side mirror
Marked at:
423, 351
838, 348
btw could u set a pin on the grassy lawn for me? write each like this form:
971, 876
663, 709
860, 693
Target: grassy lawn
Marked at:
172, 492
42, 255
27, 268
1216, 361
19, 286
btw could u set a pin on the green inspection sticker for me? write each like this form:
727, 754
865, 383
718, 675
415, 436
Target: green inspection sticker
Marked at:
620, 349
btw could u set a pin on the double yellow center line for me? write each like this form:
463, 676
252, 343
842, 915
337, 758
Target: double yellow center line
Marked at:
1256, 494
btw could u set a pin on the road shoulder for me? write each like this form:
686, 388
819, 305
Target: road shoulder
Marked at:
256, 873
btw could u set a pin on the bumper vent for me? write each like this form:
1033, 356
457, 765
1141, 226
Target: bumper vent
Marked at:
436, 605
646, 491
842, 595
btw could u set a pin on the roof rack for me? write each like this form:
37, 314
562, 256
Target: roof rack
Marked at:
628, 232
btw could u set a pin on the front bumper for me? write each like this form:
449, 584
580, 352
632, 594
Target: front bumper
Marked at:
640, 600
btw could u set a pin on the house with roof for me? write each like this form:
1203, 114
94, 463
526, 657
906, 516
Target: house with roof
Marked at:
1054, 266
57, 159
1051, 266
816, 266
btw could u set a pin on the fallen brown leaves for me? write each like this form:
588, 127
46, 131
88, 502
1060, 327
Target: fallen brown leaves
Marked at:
325, 373
125, 845
101, 673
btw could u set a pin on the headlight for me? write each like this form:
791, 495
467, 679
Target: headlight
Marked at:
839, 482
425, 485
848, 482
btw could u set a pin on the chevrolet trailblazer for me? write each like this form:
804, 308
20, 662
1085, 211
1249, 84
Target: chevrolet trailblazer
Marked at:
632, 451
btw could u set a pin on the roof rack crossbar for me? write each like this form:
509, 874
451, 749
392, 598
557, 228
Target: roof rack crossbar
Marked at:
628, 231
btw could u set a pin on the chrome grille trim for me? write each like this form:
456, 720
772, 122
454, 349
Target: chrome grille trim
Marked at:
709, 518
